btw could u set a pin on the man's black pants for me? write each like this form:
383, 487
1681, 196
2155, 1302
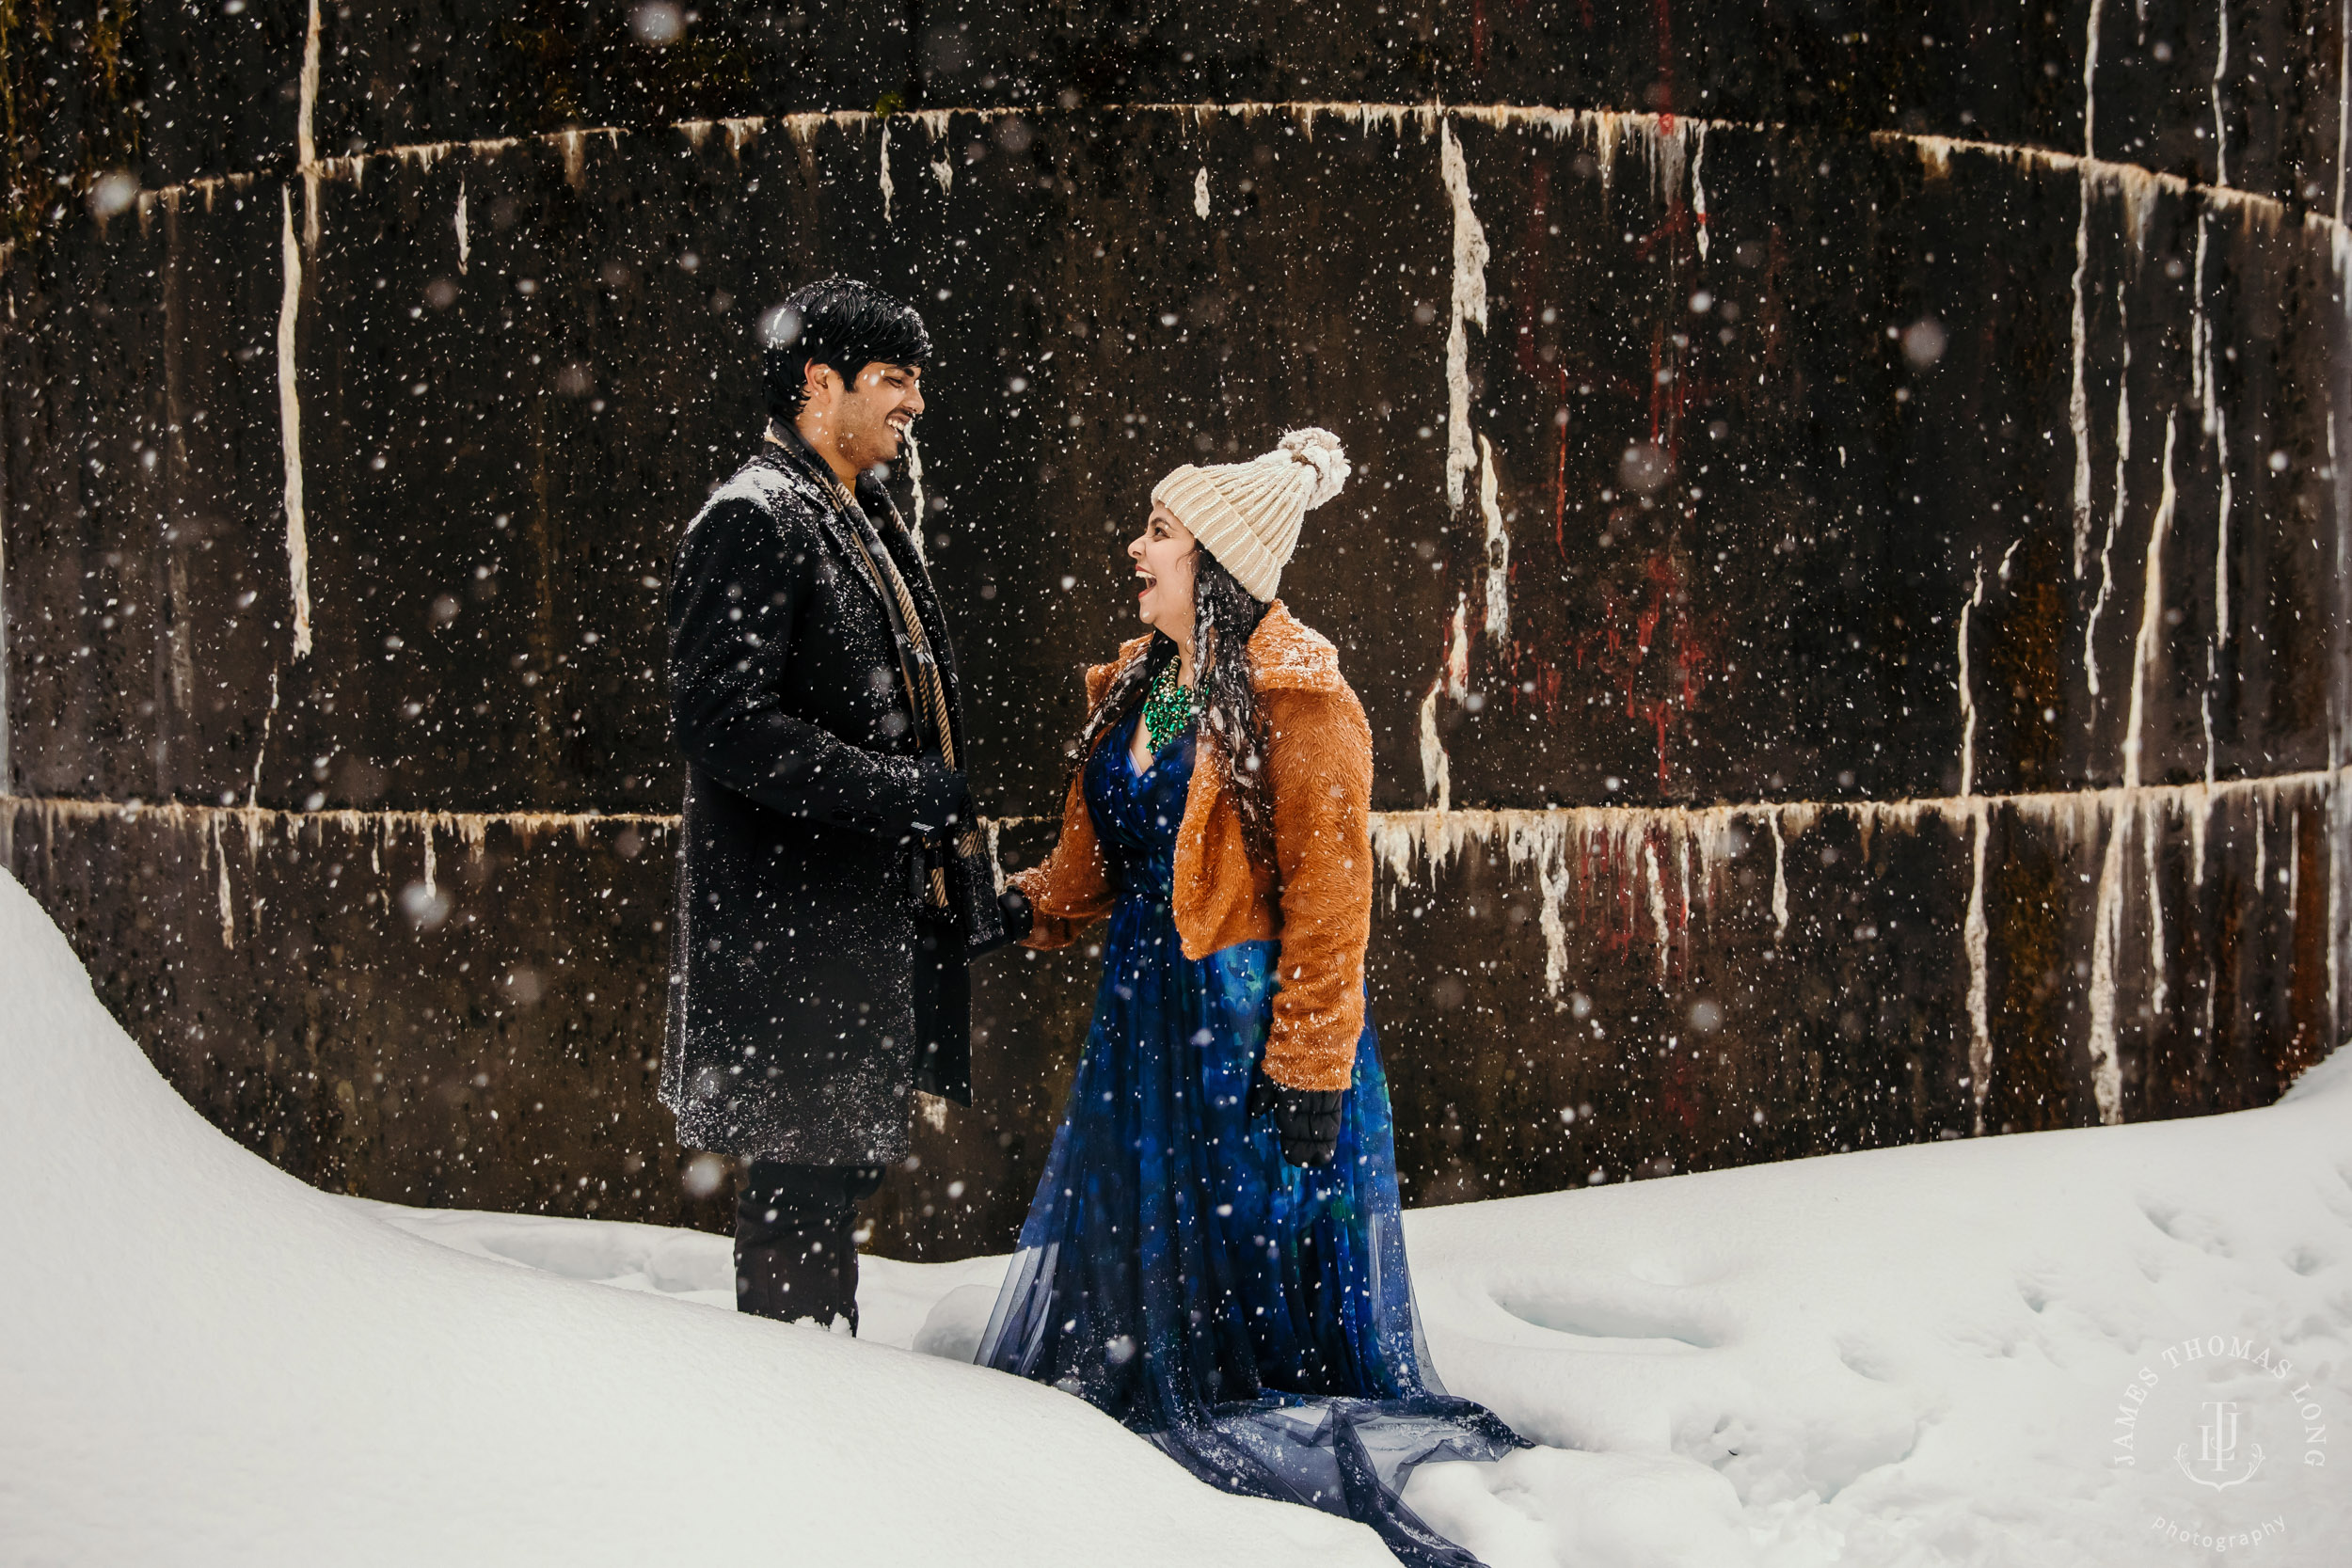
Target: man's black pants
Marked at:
795, 1247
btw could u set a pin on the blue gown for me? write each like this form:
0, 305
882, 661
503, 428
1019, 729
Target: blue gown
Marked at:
1251, 1318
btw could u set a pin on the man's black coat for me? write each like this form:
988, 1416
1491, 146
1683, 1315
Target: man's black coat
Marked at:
808, 994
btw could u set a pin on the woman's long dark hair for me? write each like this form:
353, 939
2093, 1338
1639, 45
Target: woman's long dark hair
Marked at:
1224, 613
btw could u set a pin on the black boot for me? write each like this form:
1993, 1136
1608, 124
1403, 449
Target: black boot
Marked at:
795, 1247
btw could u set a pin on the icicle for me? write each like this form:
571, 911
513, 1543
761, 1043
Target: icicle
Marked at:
1498, 547
1200, 192
465, 241
425, 833
290, 429
1468, 306
887, 189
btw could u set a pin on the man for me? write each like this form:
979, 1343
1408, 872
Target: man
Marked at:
818, 975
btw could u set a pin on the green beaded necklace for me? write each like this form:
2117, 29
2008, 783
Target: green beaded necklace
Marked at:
1168, 709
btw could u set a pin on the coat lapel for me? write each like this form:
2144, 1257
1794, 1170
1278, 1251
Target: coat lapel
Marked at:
828, 518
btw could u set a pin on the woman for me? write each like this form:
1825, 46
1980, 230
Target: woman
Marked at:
1213, 1255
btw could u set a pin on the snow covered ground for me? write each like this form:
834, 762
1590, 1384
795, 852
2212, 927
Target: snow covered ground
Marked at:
1909, 1358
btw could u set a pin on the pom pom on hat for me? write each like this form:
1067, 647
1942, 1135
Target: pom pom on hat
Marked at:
1319, 449
1247, 515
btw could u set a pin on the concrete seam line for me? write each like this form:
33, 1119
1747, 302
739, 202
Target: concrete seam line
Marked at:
1935, 150
1465, 822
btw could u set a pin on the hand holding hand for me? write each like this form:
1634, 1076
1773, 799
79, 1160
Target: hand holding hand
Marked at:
1020, 917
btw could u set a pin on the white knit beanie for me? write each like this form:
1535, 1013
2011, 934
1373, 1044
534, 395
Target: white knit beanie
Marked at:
1246, 515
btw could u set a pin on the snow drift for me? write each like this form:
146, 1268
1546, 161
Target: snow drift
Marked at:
206, 1361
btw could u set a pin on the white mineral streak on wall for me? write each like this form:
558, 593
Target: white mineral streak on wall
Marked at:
2343, 100
1498, 547
888, 190
1656, 886
2145, 649
943, 158
2107, 918
305, 146
1974, 937
2090, 76
1436, 776
1200, 192
2145, 646
1967, 691
223, 894
1453, 680
2115, 518
2220, 70
289, 430
1698, 190
1457, 651
1551, 886
573, 145
1468, 306
2106, 935
1780, 878
2078, 395
1973, 929
465, 240
2204, 381
261, 749
2339, 810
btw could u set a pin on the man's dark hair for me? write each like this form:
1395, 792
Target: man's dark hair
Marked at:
840, 321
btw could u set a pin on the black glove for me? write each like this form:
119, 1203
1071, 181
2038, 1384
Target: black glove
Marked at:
1306, 1120
1020, 919
943, 796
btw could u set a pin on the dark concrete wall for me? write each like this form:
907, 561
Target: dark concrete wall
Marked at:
1854, 622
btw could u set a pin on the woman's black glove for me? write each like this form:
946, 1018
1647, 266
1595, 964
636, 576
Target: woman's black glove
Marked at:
1020, 918
1306, 1120
943, 797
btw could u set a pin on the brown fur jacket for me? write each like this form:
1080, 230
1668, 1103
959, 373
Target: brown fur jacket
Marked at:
1317, 903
